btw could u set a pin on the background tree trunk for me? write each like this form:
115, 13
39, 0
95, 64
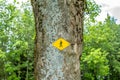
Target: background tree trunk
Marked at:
55, 19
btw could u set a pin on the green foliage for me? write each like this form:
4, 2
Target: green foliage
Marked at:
16, 41
2, 55
92, 10
103, 36
95, 65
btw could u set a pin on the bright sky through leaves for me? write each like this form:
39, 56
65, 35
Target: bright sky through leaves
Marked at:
112, 7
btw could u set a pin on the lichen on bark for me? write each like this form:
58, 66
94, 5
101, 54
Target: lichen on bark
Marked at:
55, 19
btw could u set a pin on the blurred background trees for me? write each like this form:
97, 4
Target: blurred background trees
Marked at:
16, 41
101, 53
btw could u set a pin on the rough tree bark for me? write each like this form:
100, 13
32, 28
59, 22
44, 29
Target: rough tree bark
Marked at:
55, 19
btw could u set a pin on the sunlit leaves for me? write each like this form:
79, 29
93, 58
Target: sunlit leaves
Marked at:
96, 63
103, 36
16, 42
92, 10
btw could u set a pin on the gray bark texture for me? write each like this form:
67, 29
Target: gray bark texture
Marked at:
55, 19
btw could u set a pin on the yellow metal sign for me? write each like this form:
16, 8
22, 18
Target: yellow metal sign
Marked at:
61, 44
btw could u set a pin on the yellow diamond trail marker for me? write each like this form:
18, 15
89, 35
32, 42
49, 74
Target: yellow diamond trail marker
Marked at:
61, 44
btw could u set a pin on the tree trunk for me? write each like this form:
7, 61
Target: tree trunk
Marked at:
55, 19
